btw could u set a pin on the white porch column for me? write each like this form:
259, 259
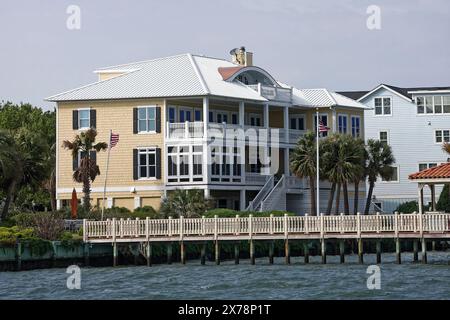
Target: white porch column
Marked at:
286, 123
205, 116
205, 157
242, 200
58, 204
286, 161
420, 198
206, 193
241, 113
109, 202
334, 121
266, 115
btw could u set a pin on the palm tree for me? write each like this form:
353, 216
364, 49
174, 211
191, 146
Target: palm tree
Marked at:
88, 170
360, 171
328, 150
379, 164
342, 162
21, 162
49, 183
303, 164
186, 203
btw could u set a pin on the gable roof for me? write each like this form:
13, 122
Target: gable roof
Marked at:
404, 92
324, 98
440, 172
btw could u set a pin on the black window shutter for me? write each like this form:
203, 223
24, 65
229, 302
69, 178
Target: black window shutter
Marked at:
135, 120
158, 119
93, 156
75, 119
75, 163
135, 164
158, 163
93, 119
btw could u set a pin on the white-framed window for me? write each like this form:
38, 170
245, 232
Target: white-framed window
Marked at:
433, 104
343, 123
427, 165
184, 114
255, 120
147, 163
356, 126
297, 122
147, 119
383, 106
198, 115
395, 175
383, 136
172, 114
185, 163
324, 118
221, 117
234, 118
442, 136
84, 119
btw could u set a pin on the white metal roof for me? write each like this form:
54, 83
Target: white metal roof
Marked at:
187, 75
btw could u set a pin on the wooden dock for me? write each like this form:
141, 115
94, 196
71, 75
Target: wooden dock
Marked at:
416, 227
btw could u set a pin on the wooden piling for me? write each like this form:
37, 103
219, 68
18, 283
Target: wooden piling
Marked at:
136, 255
287, 253
236, 253
342, 251
182, 253
378, 245
115, 258
415, 250
424, 251
398, 251
271, 245
360, 251
18, 256
252, 252
306, 251
86, 254
169, 253
149, 254
203, 254
323, 247
217, 252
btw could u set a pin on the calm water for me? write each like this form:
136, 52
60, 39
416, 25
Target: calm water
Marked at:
228, 281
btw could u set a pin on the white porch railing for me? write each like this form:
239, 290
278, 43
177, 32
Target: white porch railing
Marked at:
395, 224
184, 130
273, 93
265, 190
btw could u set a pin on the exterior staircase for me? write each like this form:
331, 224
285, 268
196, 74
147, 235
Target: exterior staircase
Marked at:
271, 197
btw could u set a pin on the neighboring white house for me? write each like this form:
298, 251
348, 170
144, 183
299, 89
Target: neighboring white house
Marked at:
414, 122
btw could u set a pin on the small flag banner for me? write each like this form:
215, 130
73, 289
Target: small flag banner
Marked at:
114, 139
322, 127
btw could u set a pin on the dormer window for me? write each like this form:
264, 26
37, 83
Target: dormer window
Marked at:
383, 106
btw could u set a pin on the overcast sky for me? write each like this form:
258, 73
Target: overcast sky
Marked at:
303, 43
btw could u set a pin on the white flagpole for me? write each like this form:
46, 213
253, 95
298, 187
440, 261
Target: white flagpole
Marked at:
106, 174
317, 164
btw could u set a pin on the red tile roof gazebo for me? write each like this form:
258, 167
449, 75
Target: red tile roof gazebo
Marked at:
431, 177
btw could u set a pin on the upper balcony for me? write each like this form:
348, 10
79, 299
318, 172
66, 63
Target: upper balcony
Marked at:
273, 93
195, 130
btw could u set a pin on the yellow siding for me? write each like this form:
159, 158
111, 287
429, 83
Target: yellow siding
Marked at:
118, 116
154, 202
124, 202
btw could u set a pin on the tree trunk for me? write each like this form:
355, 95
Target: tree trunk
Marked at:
369, 197
312, 188
9, 196
346, 203
87, 194
356, 198
330, 198
338, 199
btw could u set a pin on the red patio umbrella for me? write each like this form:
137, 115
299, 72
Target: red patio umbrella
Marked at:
74, 204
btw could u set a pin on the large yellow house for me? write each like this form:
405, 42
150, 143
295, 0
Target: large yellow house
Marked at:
173, 114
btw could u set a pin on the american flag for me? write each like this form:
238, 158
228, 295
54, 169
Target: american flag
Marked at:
114, 139
322, 127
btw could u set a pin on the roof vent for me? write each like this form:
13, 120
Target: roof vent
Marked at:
241, 57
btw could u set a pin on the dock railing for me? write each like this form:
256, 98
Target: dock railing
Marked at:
274, 226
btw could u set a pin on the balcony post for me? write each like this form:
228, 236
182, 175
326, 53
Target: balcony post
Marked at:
286, 123
241, 113
205, 157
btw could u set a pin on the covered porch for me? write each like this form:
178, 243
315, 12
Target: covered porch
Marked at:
430, 178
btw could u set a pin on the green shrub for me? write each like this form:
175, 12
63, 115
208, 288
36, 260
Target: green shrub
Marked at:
409, 207
144, 212
444, 199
